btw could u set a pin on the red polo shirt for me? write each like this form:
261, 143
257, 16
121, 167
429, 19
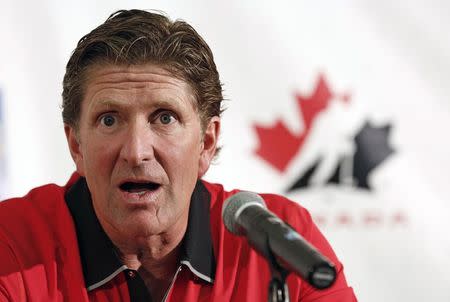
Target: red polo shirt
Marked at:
52, 248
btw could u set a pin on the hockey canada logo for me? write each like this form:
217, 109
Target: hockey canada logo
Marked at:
340, 151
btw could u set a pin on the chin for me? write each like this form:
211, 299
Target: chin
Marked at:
144, 225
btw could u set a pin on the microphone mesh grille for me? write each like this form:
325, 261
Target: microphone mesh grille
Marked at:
233, 205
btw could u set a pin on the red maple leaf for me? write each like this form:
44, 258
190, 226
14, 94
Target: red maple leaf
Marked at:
277, 144
317, 102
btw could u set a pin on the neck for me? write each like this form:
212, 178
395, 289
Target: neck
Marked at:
155, 252
157, 256
156, 261
156, 265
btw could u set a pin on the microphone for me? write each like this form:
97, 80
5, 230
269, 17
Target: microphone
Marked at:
246, 214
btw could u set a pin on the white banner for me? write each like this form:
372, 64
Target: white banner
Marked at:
340, 106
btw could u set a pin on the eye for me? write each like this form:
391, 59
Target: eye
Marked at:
166, 118
108, 120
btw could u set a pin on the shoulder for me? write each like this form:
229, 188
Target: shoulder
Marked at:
35, 222
289, 210
38, 245
40, 203
298, 218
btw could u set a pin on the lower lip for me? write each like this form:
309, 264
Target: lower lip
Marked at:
142, 198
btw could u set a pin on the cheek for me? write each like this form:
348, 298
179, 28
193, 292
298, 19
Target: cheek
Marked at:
181, 156
99, 158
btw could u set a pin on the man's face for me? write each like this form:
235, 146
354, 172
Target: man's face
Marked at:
141, 148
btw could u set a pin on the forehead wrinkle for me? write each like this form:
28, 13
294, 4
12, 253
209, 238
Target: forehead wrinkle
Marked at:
140, 91
101, 78
112, 103
180, 87
138, 73
127, 78
135, 85
173, 102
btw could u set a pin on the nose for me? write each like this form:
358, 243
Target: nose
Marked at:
137, 145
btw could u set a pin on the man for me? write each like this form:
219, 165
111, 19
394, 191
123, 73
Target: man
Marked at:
141, 109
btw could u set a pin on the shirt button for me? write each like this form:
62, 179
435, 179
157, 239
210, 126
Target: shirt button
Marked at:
131, 274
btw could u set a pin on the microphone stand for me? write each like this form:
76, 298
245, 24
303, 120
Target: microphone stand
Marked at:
278, 288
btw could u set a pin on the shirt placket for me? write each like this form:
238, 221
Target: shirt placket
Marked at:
172, 283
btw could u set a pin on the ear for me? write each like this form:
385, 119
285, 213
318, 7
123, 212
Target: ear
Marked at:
209, 145
74, 147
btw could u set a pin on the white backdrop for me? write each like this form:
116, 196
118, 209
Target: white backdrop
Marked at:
389, 60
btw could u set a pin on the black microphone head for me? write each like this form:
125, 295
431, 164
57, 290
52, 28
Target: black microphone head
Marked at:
233, 207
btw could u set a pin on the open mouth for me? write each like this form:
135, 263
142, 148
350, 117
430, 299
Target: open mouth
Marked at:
136, 187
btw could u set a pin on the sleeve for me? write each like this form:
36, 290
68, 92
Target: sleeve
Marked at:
11, 283
339, 291
300, 219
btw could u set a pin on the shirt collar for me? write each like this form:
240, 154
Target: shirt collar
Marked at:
99, 258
